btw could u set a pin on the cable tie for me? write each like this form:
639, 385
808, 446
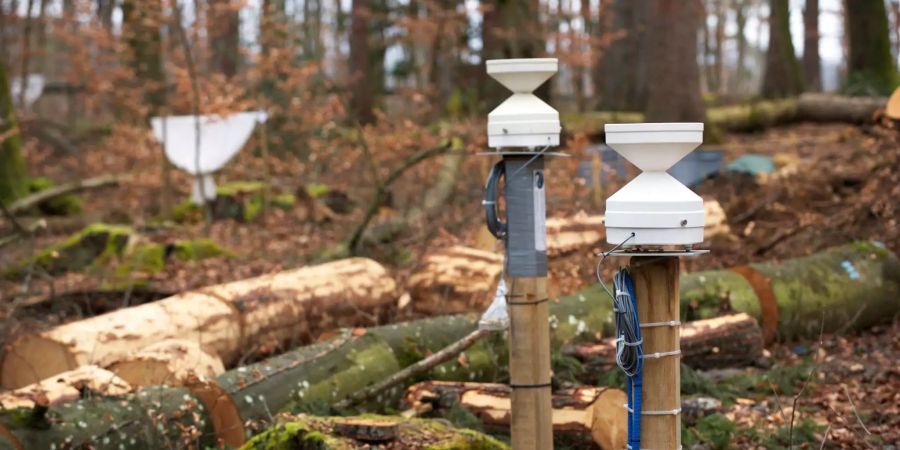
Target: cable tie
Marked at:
658, 355
633, 344
536, 302
671, 323
488, 202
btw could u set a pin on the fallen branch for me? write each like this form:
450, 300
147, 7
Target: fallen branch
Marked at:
418, 368
39, 197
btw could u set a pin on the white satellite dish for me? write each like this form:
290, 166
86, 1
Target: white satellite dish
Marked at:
34, 87
221, 137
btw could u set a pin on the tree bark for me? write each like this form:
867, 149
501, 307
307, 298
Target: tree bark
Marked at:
812, 64
141, 32
620, 76
13, 178
511, 29
168, 362
223, 25
783, 76
871, 69
584, 417
672, 55
733, 340
362, 101
235, 320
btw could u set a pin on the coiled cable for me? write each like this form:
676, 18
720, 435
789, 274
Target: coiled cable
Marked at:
491, 209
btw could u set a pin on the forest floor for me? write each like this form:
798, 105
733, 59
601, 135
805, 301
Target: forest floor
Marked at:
833, 184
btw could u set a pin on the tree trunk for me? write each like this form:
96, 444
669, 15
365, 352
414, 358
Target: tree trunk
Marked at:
234, 320
812, 64
719, 55
620, 76
362, 86
783, 76
511, 29
583, 417
729, 341
25, 54
141, 32
13, 178
853, 286
871, 69
168, 362
105, 10
672, 55
740, 20
223, 26
66, 387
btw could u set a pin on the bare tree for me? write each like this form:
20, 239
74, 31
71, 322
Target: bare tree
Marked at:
223, 26
672, 55
871, 69
13, 180
812, 65
783, 76
361, 92
620, 74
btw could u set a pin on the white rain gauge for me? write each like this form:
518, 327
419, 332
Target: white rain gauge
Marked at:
221, 137
523, 120
655, 207
34, 87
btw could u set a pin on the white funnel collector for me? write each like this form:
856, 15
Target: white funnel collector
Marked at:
523, 120
654, 206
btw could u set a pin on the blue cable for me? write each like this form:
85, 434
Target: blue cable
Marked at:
629, 351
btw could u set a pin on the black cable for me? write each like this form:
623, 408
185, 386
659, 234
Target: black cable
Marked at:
491, 209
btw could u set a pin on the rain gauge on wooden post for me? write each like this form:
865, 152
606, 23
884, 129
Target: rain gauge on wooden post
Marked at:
654, 220
522, 128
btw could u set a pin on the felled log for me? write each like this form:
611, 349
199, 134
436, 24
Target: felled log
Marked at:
169, 362
729, 341
892, 110
151, 418
313, 377
585, 417
850, 287
460, 279
231, 319
333, 433
66, 387
754, 116
454, 280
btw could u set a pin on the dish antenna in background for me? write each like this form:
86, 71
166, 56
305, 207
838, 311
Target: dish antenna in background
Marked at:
221, 137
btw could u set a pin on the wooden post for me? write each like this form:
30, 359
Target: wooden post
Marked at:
656, 288
529, 364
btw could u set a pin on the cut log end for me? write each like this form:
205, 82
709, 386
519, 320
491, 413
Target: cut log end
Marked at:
169, 362
19, 369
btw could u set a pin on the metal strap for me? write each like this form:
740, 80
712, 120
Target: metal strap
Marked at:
665, 412
536, 302
661, 354
530, 386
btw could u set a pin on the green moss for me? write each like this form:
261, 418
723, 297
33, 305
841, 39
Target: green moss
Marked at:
316, 190
95, 245
238, 200
715, 432
292, 436
235, 188
470, 440
284, 201
60, 206
197, 249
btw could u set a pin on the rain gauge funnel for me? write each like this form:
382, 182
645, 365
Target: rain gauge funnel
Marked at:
523, 120
221, 137
654, 206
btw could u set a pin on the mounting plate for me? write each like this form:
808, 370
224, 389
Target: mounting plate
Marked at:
657, 253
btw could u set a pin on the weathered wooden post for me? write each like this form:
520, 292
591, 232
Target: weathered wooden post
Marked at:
523, 120
646, 218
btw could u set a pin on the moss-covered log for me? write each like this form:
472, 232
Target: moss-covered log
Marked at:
152, 418
243, 201
734, 340
348, 433
752, 116
583, 417
233, 319
848, 287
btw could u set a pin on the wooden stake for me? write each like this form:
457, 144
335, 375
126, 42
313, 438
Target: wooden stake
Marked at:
656, 288
529, 364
